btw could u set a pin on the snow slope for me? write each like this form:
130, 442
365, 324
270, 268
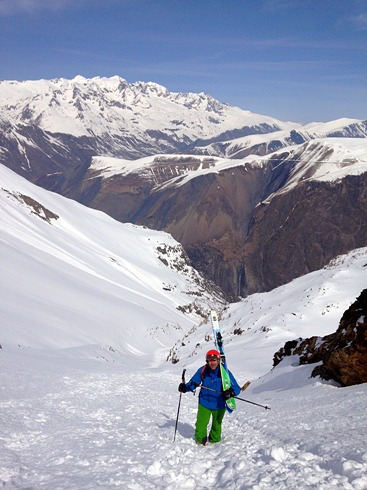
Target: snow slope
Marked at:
74, 425
75, 414
57, 256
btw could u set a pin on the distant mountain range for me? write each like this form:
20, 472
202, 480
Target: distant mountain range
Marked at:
255, 201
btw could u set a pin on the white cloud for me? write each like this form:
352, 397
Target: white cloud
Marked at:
360, 21
11, 7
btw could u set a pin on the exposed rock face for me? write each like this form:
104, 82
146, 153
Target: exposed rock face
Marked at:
54, 162
303, 229
343, 354
231, 231
210, 215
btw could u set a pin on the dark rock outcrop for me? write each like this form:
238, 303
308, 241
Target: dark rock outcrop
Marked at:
301, 230
343, 354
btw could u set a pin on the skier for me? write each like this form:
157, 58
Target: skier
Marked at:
211, 403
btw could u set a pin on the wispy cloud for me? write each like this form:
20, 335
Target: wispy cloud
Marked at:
12, 7
276, 5
359, 21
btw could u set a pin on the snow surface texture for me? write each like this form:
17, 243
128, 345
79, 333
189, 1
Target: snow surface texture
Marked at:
75, 425
75, 414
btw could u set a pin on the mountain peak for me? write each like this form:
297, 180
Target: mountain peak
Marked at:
79, 79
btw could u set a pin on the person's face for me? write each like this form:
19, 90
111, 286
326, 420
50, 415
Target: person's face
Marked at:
213, 362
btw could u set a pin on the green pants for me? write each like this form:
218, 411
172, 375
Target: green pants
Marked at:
202, 421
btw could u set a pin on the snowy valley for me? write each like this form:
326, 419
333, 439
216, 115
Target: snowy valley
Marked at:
91, 312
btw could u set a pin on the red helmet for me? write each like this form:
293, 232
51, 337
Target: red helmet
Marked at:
211, 353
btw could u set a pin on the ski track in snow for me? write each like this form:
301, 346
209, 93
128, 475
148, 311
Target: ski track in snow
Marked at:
108, 429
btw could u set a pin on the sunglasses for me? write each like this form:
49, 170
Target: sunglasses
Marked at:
212, 358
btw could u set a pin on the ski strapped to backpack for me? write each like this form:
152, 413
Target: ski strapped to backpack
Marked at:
226, 380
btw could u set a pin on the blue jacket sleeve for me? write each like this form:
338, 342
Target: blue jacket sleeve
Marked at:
195, 381
234, 384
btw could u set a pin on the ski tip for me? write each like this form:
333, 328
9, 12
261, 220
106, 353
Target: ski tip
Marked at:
214, 315
246, 385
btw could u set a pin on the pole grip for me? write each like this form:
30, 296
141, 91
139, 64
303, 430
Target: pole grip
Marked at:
183, 375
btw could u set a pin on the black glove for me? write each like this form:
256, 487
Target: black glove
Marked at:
227, 394
182, 388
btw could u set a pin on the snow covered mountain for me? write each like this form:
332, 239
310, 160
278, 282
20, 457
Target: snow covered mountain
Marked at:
50, 129
102, 106
263, 144
123, 119
93, 312
60, 134
320, 159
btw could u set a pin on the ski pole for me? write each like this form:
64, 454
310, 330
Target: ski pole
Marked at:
179, 403
238, 398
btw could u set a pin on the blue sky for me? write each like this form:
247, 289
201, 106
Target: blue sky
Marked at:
297, 60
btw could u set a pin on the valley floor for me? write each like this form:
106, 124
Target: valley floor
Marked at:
87, 425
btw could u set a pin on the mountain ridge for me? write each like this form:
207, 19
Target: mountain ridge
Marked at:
83, 102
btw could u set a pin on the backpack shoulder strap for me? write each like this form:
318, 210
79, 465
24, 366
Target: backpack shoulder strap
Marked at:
205, 372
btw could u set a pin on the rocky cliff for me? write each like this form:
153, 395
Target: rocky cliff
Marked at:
343, 354
251, 225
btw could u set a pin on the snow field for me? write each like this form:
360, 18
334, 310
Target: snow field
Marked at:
98, 426
87, 400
